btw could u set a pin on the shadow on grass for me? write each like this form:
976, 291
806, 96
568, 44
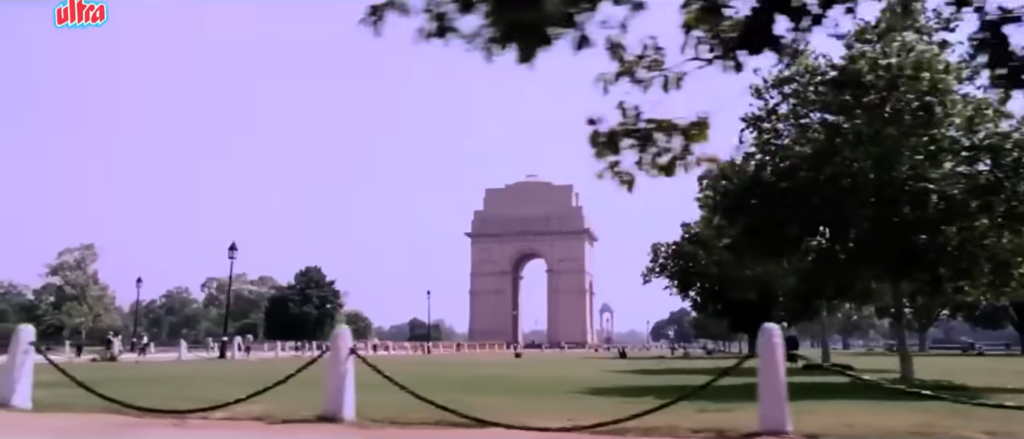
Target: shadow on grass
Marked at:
746, 372
800, 391
666, 357
935, 354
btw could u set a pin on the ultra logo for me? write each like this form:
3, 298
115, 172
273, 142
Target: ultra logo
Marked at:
80, 13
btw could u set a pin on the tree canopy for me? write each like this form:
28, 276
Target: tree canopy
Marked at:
723, 34
74, 298
676, 328
362, 327
305, 309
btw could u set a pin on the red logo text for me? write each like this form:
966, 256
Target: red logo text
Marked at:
80, 13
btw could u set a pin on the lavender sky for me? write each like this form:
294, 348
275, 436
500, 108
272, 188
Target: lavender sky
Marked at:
179, 126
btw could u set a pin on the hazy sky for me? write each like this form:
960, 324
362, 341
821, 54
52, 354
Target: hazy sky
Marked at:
179, 126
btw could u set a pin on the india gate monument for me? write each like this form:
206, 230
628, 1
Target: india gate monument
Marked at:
520, 222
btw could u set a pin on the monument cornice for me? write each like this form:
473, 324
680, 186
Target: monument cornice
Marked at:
589, 233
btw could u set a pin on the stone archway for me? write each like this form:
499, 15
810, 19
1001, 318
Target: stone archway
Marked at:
520, 222
606, 326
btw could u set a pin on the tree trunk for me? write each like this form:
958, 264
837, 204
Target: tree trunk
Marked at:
1019, 327
845, 340
900, 334
922, 341
752, 342
826, 347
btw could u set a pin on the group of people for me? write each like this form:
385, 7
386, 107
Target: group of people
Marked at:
212, 347
113, 346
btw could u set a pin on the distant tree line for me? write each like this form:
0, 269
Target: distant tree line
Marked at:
416, 330
74, 303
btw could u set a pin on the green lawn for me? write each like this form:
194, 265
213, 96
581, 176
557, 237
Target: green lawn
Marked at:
558, 388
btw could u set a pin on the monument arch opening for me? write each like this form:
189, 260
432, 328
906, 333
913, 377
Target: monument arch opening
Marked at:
519, 223
529, 298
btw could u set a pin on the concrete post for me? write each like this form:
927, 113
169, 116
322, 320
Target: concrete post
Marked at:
235, 347
340, 379
772, 392
17, 374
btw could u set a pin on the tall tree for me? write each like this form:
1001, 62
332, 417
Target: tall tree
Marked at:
893, 151
676, 328
854, 321
447, 332
995, 316
418, 330
721, 280
362, 327
176, 314
15, 302
710, 328
306, 309
75, 299
248, 299
396, 332
722, 34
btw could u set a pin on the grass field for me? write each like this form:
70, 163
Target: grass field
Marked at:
557, 389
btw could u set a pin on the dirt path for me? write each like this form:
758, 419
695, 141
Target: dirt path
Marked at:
18, 425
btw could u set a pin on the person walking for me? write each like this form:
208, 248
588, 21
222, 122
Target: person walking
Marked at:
108, 346
143, 346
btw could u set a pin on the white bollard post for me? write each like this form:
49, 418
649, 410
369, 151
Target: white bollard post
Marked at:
772, 391
340, 381
235, 344
67, 348
17, 373
182, 349
277, 349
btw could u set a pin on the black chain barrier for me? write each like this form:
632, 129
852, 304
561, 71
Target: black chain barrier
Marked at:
689, 393
927, 394
160, 411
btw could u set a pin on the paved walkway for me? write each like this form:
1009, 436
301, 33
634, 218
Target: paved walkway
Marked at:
20, 425
161, 356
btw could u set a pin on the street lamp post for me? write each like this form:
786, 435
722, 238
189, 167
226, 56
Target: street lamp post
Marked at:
232, 254
648, 333
138, 304
430, 335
